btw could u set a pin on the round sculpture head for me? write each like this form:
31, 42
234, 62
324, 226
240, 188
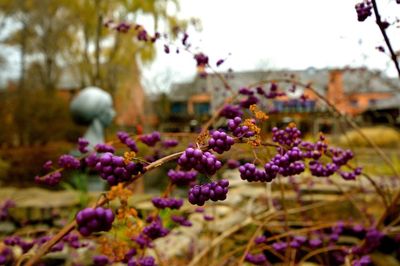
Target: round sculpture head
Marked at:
90, 104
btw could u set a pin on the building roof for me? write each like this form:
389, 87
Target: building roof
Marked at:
354, 80
365, 80
391, 103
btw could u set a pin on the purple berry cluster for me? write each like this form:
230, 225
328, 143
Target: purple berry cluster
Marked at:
290, 136
219, 62
250, 100
351, 175
320, 170
313, 150
256, 259
123, 27
143, 261
151, 139
5, 208
142, 241
91, 160
297, 242
170, 143
287, 162
83, 145
155, 230
273, 92
162, 203
199, 194
184, 39
92, 220
50, 179
166, 49
238, 130
47, 166
6, 256
372, 240
260, 91
56, 248
201, 59
291, 160
249, 172
181, 220
101, 148
315, 243
260, 239
246, 91
205, 163
363, 261
341, 157
101, 260
114, 170
127, 140
182, 178
18, 241
220, 141
279, 246
232, 163
129, 255
231, 111
208, 217
67, 161
73, 240
364, 10
142, 35
338, 156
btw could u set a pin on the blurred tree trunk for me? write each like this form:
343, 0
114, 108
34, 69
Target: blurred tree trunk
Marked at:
21, 115
97, 80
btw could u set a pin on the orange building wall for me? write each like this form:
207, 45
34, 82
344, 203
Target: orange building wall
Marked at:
346, 102
130, 101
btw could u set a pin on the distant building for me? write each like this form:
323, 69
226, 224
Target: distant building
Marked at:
353, 91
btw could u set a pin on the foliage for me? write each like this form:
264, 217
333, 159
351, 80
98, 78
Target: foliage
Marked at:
68, 38
282, 226
27, 122
4, 167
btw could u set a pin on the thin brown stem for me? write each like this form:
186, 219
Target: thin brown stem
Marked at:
319, 251
385, 36
266, 215
104, 200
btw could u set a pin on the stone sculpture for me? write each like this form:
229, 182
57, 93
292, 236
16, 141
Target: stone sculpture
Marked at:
93, 107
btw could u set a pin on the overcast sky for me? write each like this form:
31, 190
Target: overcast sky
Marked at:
293, 34
268, 34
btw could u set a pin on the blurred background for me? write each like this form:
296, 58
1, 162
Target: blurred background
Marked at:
146, 54
50, 50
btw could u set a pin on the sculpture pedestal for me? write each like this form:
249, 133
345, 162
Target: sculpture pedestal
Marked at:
95, 183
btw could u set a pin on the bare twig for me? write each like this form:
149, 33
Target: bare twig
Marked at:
266, 215
319, 251
68, 228
385, 36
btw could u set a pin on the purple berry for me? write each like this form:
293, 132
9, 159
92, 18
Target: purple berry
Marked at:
215, 191
92, 220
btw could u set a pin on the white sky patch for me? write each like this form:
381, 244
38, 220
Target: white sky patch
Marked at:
288, 34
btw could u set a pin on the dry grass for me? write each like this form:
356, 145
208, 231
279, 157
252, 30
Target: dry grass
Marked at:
381, 135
